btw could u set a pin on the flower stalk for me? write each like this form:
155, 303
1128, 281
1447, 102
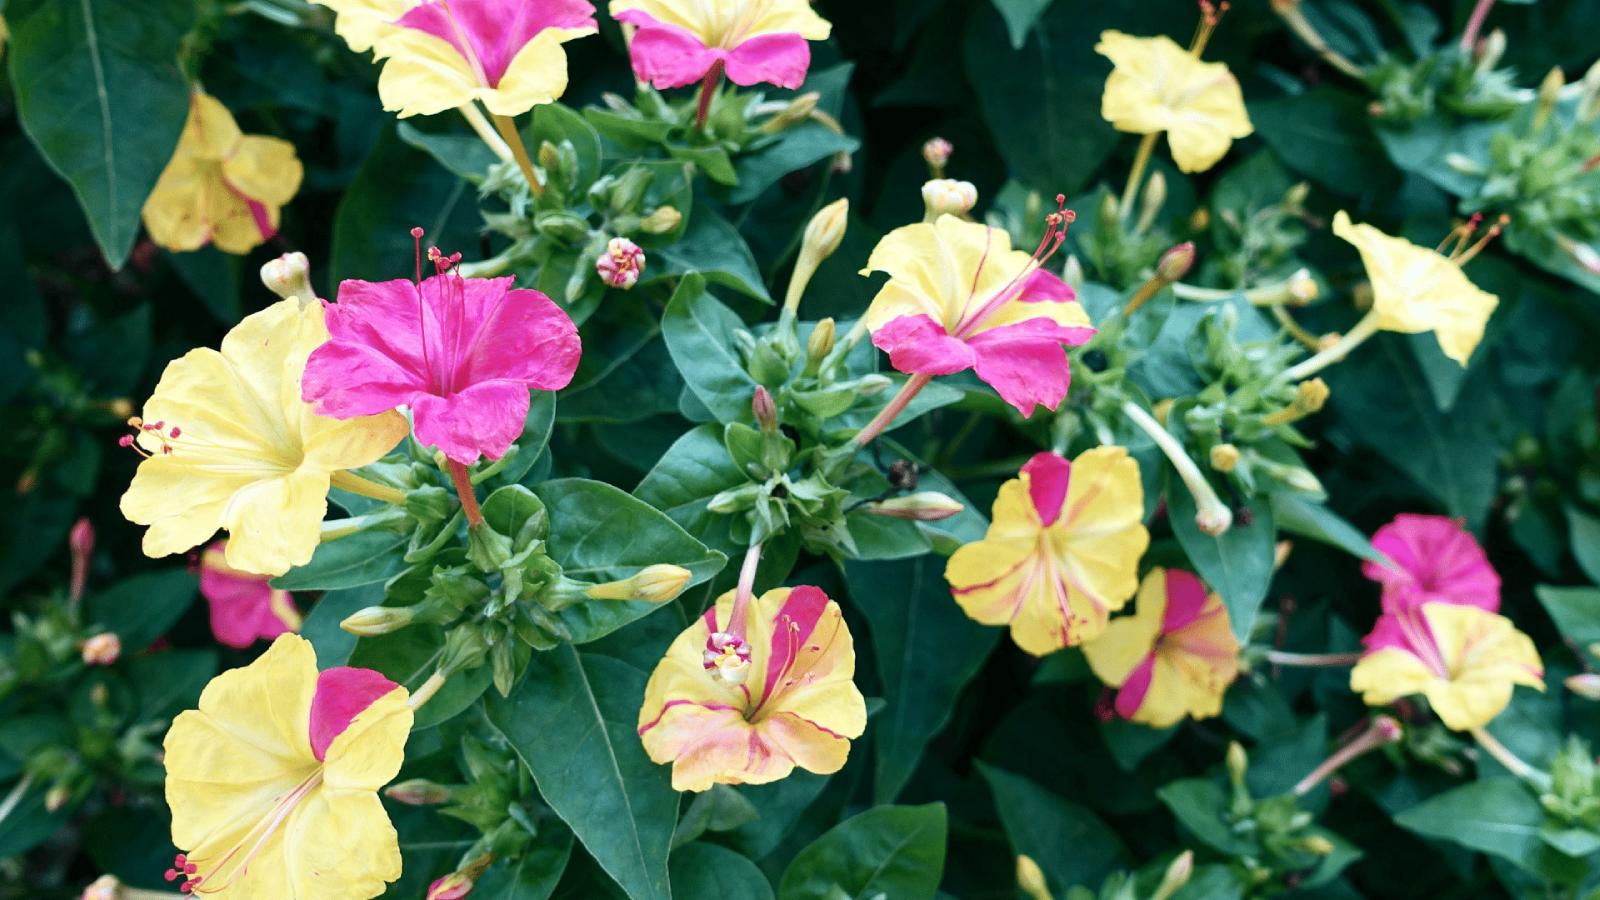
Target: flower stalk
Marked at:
1382, 732
462, 479
1312, 660
1211, 515
884, 419
519, 152
1141, 160
485, 131
1515, 764
346, 480
1364, 329
425, 692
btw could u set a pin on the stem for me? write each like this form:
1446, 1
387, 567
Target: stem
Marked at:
884, 419
1147, 290
1289, 11
1211, 514
9, 805
708, 87
1366, 328
741, 595
1294, 328
355, 484
1312, 660
1511, 761
1141, 159
519, 152
486, 132
425, 693
1383, 730
335, 529
1265, 295
462, 479
1469, 37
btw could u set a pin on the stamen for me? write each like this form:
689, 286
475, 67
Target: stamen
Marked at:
416, 237
1055, 233
1463, 257
256, 839
1210, 16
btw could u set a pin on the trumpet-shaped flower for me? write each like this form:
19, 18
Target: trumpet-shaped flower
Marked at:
958, 297
231, 445
791, 704
1158, 86
441, 54
221, 186
679, 41
1175, 656
1464, 659
244, 607
1434, 559
1062, 551
273, 781
1415, 289
460, 352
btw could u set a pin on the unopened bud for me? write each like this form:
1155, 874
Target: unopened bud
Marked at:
548, 156
798, 110
652, 584
1214, 518
106, 887
1294, 199
102, 649
661, 220
1178, 873
1585, 685
936, 153
1030, 879
621, 264
1151, 201
376, 620
1072, 273
1317, 845
1176, 262
289, 276
1549, 94
56, 797
763, 409
81, 542
1491, 49
1238, 763
820, 343
1109, 214
418, 792
947, 197
459, 883
826, 230
1311, 395
1303, 288
1589, 101
923, 506
1200, 220
1224, 457
1464, 164
81, 538
1280, 553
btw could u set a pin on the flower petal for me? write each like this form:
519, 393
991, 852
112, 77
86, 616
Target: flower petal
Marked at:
482, 421
918, 344
778, 59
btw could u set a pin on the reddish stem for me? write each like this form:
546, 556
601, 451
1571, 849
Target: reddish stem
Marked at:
469, 499
1480, 12
884, 419
708, 86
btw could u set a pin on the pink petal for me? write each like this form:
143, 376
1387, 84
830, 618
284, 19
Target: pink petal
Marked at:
1186, 599
483, 420
1024, 363
241, 604
665, 55
383, 315
495, 30
1133, 691
345, 380
1047, 287
780, 59
1048, 477
342, 694
524, 336
791, 629
1437, 560
919, 345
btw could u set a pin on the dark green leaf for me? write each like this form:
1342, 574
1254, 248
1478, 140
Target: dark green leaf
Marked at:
893, 851
706, 870
1070, 843
1238, 564
366, 557
141, 609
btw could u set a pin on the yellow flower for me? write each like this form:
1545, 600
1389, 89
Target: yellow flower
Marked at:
273, 781
221, 186
1175, 656
1158, 86
791, 702
1464, 659
1415, 289
1062, 552
363, 22
231, 445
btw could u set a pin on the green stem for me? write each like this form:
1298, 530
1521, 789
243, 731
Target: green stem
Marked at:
1514, 763
355, 484
9, 805
1141, 159
1366, 328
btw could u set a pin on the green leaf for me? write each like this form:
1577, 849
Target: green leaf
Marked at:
535, 874
926, 649
1585, 531
1497, 816
366, 557
29, 823
796, 147
692, 471
699, 331
1576, 611
1325, 135
408, 657
715, 249
1199, 805
321, 626
1070, 843
141, 609
99, 93
169, 682
461, 153
599, 533
706, 870
1297, 514
572, 722
1020, 16
891, 851
1238, 564
535, 438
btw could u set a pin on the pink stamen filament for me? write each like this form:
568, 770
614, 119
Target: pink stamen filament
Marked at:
262, 832
1055, 234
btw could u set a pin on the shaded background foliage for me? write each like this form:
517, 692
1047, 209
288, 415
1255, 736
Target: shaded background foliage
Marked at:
1010, 746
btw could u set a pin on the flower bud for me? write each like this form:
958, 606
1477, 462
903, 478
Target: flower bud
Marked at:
81, 542
1238, 763
621, 264
1303, 288
289, 276
1151, 201
376, 620
1311, 395
798, 110
1224, 457
945, 196
57, 797
1317, 845
102, 649
418, 792
826, 230
1176, 262
1178, 873
1589, 100
764, 410
923, 506
1162, 409
459, 883
1294, 199
1549, 94
652, 584
820, 343
1585, 685
1491, 49
662, 219
1072, 273
560, 225
936, 153
1030, 879
106, 887
548, 156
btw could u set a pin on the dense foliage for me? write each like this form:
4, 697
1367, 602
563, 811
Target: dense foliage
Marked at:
649, 462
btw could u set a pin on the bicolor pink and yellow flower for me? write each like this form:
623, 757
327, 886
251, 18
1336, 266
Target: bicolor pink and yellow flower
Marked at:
749, 710
1433, 558
221, 186
461, 353
442, 54
244, 607
681, 42
1174, 657
229, 444
958, 297
1062, 552
273, 781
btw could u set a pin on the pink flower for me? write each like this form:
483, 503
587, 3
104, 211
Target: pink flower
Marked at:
1435, 559
244, 607
680, 42
461, 352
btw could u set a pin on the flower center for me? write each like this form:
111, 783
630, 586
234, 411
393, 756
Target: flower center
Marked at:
1462, 252
1055, 232
208, 876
